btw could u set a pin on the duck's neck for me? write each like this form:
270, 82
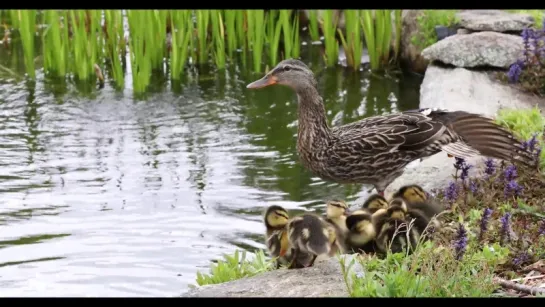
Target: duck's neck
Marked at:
313, 132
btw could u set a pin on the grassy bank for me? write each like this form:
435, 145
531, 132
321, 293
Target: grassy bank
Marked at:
91, 45
494, 227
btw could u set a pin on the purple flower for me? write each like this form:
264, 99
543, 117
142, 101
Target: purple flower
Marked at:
530, 144
484, 222
473, 187
526, 35
521, 259
541, 230
459, 163
515, 70
465, 171
512, 188
460, 244
490, 167
451, 192
510, 173
505, 234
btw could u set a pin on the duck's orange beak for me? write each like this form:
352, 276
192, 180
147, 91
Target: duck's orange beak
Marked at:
263, 82
283, 252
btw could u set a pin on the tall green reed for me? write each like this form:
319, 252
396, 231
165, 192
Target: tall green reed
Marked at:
182, 32
115, 44
231, 31
329, 25
140, 60
273, 30
218, 35
25, 20
56, 44
256, 36
291, 34
313, 27
378, 33
203, 19
352, 44
85, 46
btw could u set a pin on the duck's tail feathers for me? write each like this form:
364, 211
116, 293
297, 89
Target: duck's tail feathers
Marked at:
481, 135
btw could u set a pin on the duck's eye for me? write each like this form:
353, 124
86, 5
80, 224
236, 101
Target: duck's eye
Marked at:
287, 68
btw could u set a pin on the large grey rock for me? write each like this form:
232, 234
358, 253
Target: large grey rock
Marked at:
459, 89
494, 20
477, 49
324, 279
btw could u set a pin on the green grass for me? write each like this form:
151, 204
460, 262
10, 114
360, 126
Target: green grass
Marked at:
234, 267
426, 25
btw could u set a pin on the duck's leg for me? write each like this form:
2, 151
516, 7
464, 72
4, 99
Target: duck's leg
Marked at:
294, 253
312, 261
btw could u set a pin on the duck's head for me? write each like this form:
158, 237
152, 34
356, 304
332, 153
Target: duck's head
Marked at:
375, 202
336, 209
397, 209
412, 193
290, 72
276, 217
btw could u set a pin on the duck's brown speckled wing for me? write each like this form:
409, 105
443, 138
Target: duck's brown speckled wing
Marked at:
407, 131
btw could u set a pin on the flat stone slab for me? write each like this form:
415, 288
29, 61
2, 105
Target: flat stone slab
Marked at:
494, 20
324, 279
477, 49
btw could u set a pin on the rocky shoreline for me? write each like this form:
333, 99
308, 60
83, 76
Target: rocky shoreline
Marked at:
459, 75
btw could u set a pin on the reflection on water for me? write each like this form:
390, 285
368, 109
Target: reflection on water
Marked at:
106, 195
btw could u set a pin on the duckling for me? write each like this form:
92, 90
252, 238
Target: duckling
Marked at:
393, 221
374, 203
310, 234
336, 214
419, 206
276, 218
362, 231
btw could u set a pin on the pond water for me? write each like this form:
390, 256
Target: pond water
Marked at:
107, 195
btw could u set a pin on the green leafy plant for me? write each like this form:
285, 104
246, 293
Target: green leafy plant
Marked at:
234, 267
427, 21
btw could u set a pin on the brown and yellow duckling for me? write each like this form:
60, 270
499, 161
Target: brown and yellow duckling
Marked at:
419, 205
361, 232
374, 203
393, 231
336, 214
310, 234
276, 238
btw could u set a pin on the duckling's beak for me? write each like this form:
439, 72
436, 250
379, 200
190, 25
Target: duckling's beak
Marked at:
346, 213
263, 82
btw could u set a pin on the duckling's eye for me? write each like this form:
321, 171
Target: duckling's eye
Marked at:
287, 68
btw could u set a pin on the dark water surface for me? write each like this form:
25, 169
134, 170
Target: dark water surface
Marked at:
107, 195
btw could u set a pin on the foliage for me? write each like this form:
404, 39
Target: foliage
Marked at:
235, 267
427, 21
83, 43
503, 202
431, 271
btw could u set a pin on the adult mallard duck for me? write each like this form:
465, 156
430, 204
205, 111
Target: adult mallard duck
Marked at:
375, 150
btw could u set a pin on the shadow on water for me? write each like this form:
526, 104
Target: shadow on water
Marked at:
107, 194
